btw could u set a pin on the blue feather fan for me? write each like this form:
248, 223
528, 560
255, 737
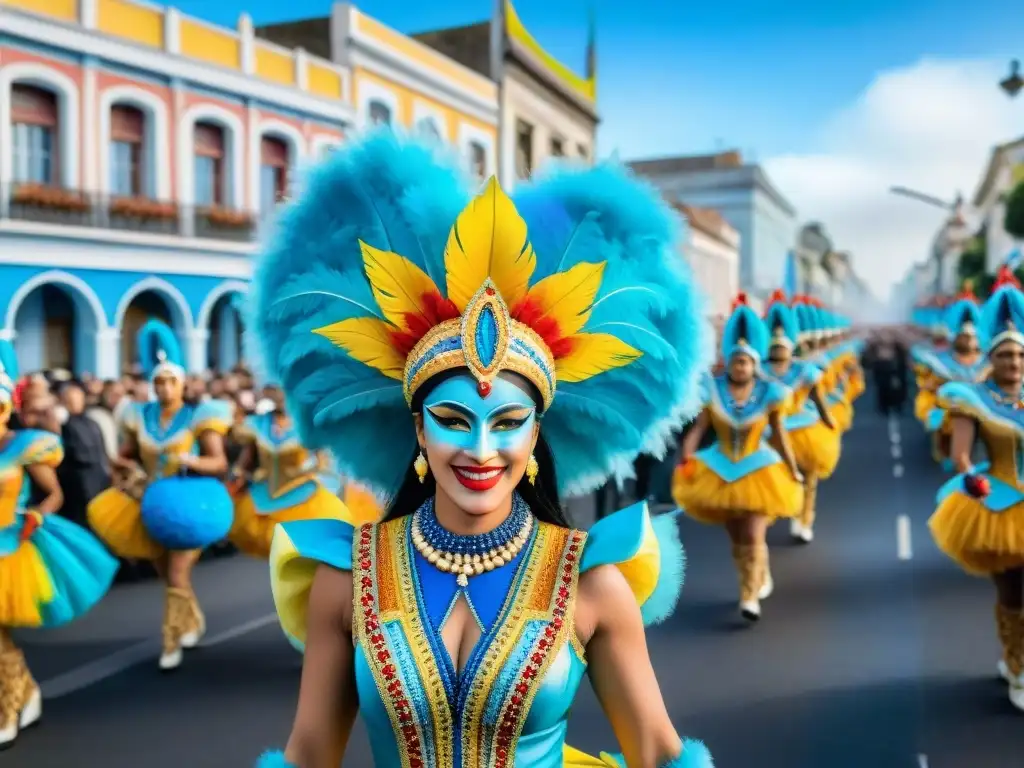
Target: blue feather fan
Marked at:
399, 196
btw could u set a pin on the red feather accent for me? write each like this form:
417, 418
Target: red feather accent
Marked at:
435, 310
1005, 276
530, 314
777, 297
740, 300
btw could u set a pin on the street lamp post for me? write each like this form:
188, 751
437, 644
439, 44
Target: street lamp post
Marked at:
1014, 82
952, 235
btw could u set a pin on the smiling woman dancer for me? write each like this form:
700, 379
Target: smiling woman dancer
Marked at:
51, 570
979, 522
742, 481
168, 503
464, 357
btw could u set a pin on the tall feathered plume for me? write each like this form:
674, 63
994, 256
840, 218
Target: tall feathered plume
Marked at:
780, 315
8, 367
156, 344
647, 298
1004, 310
744, 326
397, 198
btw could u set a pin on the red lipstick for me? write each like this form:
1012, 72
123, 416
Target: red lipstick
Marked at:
477, 478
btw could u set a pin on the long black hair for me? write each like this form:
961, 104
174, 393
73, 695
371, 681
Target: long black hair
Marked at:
542, 496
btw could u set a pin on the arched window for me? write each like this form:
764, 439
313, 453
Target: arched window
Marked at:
380, 113
427, 129
210, 185
35, 120
477, 159
273, 172
128, 173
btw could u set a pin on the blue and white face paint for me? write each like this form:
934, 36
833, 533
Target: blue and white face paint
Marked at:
478, 448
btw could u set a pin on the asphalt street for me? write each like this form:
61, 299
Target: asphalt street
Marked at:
874, 652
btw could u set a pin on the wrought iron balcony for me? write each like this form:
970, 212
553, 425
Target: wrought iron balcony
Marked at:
60, 206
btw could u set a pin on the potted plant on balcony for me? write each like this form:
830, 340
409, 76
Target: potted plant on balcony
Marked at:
142, 213
218, 221
49, 201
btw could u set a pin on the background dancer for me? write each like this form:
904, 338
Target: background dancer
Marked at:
743, 481
155, 512
51, 570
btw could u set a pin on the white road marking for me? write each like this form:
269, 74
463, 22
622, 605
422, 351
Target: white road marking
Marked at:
895, 438
897, 470
922, 761
904, 550
897, 452
145, 651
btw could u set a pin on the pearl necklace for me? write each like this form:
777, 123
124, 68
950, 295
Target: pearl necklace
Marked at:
466, 556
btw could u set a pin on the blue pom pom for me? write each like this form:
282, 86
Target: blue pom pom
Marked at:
187, 512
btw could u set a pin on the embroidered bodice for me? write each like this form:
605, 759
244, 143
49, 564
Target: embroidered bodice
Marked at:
160, 442
23, 449
800, 377
740, 427
944, 366
1000, 425
282, 463
509, 706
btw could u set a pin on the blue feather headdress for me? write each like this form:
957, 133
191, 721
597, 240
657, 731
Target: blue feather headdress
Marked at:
963, 316
781, 321
744, 332
8, 370
159, 351
1002, 317
388, 211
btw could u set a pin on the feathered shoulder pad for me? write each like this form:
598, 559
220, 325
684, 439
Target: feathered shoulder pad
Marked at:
296, 551
961, 399
647, 551
37, 446
213, 415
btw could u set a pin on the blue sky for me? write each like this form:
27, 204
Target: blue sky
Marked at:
693, 76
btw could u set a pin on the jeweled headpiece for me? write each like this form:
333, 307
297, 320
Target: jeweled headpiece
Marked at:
489, 319
385, 273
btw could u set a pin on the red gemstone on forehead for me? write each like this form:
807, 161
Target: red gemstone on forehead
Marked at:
489, 291
484, 388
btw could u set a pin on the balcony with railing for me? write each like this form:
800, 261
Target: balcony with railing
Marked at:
63, 207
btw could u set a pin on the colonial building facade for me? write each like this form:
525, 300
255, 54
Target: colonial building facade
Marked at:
712, 250
143, 151
746, 198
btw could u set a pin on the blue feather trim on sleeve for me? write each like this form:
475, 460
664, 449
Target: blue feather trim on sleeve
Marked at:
274, 759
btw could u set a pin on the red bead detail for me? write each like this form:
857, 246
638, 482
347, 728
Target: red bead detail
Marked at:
489, 291
484, 388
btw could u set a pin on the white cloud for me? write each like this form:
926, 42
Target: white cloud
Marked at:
930, 127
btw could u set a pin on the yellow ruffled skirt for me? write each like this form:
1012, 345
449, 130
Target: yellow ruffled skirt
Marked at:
252, 532
816, 449
924, 402
980, 541
24, 586
116, 518
771, 491
842, 413
855, 385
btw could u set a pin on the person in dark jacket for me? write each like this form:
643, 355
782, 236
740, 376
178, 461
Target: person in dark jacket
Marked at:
85, 471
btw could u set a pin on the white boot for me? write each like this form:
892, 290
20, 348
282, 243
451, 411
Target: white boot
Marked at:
767, 588
796, 528
806, 534
33, 709
192, 637
750, 610
1017, 693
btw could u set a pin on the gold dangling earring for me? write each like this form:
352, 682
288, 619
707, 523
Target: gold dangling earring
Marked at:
532, 469
421, 467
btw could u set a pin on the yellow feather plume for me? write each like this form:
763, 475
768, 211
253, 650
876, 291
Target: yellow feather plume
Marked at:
593, 353
489, 239
398, 285
568, 297
367, 340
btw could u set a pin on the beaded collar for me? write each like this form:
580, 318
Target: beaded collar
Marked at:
446, 541
1002, 399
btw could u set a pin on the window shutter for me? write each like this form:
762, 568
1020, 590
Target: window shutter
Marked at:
127, 124
33, 106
